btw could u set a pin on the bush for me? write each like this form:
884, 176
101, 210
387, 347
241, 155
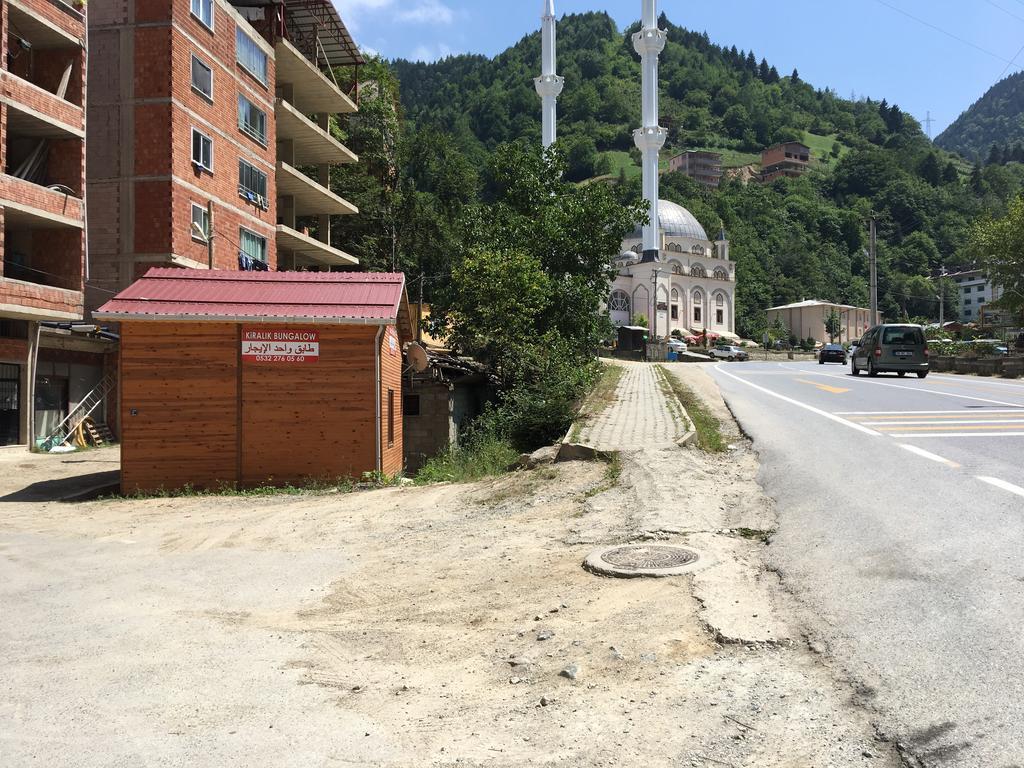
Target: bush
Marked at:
480, 456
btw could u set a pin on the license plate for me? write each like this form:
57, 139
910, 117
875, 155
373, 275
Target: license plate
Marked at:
904, 354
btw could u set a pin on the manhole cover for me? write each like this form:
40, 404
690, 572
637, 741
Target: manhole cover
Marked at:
633, 560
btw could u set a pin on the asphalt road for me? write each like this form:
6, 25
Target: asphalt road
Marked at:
901, 529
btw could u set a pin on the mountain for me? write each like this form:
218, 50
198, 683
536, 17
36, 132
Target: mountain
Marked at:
792, 239
996, 118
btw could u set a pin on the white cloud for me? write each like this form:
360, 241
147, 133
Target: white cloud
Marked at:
427, 12
353, 11
428, 54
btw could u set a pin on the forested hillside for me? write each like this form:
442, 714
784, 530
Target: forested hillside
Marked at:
997, 118
792, 239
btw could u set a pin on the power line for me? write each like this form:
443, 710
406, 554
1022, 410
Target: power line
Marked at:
1008, 13
1007, 67
940, 30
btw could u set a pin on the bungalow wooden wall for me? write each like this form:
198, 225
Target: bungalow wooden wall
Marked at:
312, 421
193, 414
179, 405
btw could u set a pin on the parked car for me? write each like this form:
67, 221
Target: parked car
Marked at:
892, 348
676, 345
729, 352
832, 353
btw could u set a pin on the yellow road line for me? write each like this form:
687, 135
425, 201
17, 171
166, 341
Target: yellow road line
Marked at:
824, 387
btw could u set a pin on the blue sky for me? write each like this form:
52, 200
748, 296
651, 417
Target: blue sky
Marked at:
925, 55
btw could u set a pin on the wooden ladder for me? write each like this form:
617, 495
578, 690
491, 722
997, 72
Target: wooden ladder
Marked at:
100, 434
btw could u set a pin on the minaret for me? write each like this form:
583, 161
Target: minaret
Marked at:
649, 42
549, 85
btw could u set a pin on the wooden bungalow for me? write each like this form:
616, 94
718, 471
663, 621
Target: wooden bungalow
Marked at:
244, 379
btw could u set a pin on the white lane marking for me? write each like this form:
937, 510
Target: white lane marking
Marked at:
972, 380
930, 456
995, 481
798, 404
917, 435
943, 423
986, 411
917, 389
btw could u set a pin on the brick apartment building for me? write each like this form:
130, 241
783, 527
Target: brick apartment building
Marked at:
45, 366
790, 160
703, 167
210, 142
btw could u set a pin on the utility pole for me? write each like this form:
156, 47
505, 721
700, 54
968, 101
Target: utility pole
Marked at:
209, 234
419, 312
942, 298
654, 329
928, 124
873, 257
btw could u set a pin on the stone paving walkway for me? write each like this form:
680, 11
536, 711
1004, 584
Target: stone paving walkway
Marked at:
640, 417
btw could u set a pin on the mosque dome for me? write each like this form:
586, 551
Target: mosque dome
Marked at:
676, 221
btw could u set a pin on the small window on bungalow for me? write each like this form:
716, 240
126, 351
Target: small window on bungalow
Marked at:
203, 10
202, 79
252, 121
250, 55
252, 245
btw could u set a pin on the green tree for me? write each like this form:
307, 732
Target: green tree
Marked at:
833, 325
1000, 243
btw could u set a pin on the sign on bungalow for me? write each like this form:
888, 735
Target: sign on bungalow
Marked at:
263, 346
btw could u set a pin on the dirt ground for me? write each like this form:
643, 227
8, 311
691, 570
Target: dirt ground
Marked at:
403, 626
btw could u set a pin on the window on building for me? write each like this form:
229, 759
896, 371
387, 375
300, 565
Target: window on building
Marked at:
719, 316
411, 405
203, 10
252, 121
719, 300
968, 301
698, 315
202, 78
721, 274
252, 184
250, 55
675, 311
619, 302
980, 288
201, 222
697, 271
677, 268
202, 150
252, 245
391, 417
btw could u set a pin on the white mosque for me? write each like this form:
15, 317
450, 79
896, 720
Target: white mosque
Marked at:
669, 271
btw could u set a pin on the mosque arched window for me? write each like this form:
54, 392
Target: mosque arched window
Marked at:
698, 271
720, 299
619, 301
698, 306
721, 274
637, 248
675, 247
698, 250
677, 268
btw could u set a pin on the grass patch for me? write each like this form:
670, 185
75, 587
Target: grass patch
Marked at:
674, 408
821, 146
709, 431
601, 397
733, 158
755, 534
369, 481
612, 475
483, 457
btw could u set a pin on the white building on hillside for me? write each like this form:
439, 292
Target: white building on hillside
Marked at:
975, 291
692, 286
669, 271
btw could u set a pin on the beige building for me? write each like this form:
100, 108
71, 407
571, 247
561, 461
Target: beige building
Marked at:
807, 319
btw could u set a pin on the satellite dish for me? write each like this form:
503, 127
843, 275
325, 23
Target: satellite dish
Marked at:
417, 357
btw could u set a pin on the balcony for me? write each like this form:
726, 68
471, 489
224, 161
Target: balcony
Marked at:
305, 86
35, 112
309, 143
305, 250
30, 205
24, 300
309, 198
47, 25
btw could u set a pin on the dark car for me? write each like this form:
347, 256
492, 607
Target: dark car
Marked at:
832, 353
899, 349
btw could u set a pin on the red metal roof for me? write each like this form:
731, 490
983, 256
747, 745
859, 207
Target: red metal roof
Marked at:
271, 297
